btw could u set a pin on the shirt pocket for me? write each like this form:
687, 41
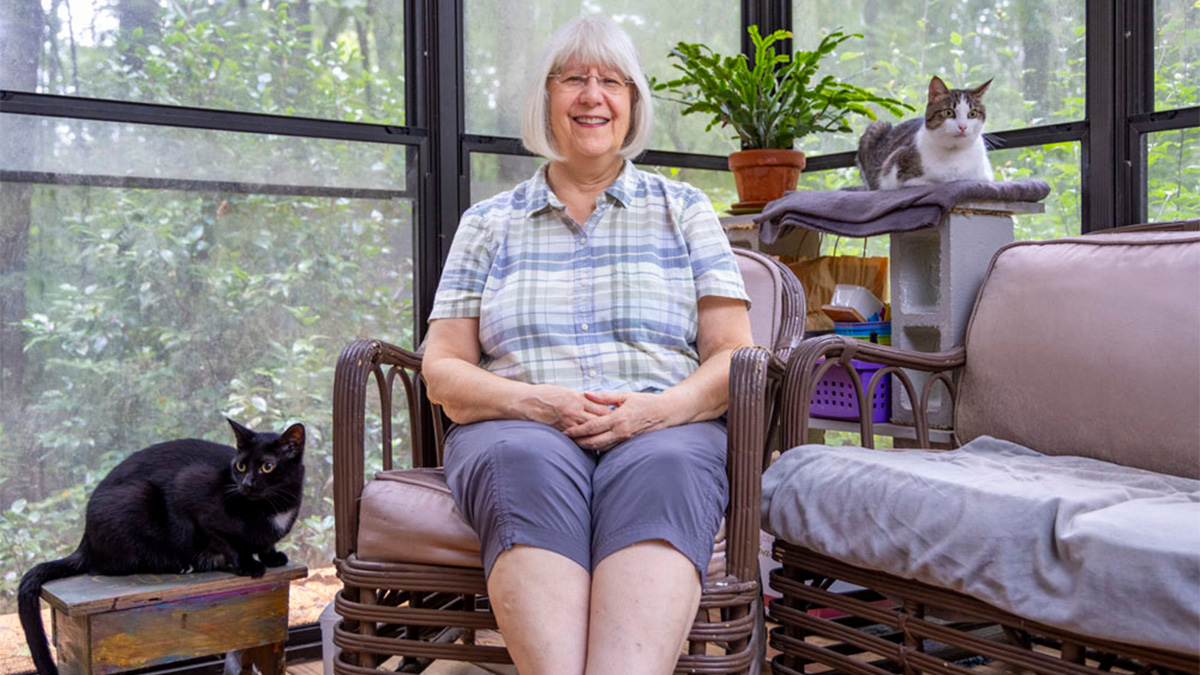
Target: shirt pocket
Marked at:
653, 306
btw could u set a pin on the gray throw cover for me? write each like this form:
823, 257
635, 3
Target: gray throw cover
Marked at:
866, 213
1077, 543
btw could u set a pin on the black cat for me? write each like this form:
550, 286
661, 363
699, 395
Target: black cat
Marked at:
181, 506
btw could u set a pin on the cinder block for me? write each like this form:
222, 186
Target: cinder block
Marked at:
935, 275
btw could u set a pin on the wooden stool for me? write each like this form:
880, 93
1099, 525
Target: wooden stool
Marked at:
113, 624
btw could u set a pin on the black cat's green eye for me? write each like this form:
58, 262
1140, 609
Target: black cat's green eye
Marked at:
240, 466
948, 113
268, 467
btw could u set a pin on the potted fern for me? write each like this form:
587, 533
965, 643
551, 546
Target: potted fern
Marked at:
770, 106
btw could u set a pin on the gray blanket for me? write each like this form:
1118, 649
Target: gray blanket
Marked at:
1094, 547
866, 213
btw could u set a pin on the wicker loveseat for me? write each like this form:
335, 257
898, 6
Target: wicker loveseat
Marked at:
413, 584
1063, 535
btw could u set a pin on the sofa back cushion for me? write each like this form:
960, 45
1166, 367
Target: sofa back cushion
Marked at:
1090, 346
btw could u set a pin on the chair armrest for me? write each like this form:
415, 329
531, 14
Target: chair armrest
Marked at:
755, 381
813, 357
359, 362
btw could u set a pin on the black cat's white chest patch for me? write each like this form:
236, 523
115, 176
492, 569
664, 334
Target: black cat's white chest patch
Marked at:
283, 521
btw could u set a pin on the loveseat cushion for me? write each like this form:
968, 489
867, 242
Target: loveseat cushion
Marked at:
1077, 543
1088, 346
409, 516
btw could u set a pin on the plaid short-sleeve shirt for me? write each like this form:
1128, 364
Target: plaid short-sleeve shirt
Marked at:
609, 305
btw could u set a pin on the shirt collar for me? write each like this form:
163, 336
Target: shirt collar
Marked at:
625, 186
541, 197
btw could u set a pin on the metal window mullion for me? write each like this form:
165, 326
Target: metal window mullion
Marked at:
1120, 87
435, 53
1138, 61
131, 112
769, 16
502, 145
1099, 150
1166, 120
200, 185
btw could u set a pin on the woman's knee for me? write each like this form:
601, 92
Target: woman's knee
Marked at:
519, 482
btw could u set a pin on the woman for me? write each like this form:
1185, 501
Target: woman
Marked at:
580, 340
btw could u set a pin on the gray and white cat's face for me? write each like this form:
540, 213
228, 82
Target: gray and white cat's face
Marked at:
955, 117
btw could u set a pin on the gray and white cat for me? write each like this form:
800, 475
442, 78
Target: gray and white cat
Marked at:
945, 146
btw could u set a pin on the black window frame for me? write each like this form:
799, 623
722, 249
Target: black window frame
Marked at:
1119, 114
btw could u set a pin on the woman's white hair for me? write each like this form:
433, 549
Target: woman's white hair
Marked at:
591, 39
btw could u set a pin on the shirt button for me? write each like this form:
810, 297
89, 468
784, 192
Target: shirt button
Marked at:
583, 326
592, 373
582, 241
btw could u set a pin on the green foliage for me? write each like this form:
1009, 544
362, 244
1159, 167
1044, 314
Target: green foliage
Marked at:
151, 313
777, 102
34, 532
317, 58
1033, 52
151, 316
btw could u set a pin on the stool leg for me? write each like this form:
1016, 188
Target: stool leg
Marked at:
268, 659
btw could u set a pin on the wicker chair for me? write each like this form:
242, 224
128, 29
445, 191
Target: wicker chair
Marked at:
1077, 348
413, 585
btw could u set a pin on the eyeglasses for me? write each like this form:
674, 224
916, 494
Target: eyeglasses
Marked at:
577, 80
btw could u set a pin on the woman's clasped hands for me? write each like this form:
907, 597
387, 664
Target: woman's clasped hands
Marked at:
597, 420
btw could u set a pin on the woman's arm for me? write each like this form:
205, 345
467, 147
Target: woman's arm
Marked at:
468, 393
723, 326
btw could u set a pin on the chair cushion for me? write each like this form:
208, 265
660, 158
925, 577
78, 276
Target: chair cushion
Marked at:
1092, 547
409, 516
1088, 346
765, 288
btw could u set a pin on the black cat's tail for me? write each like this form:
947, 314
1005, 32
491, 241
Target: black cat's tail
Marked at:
29, 606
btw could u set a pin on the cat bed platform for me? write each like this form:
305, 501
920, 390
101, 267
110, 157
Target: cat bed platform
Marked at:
866, 213
113, 624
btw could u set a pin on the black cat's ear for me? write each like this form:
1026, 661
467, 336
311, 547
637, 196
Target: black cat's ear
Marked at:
293, 439
242, 433
937, 88
978, 91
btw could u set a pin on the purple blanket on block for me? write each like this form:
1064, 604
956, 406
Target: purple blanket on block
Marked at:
865, 213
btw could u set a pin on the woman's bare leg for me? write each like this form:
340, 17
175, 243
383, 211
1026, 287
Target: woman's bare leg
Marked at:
540, 599
644, 599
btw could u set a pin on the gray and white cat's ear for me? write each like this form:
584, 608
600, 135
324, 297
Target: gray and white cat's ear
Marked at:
293, 439
243, 434
978, 91
937, 88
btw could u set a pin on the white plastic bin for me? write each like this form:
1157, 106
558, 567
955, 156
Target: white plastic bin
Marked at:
327, 621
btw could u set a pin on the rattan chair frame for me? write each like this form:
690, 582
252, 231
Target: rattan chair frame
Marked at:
422, 613
888, 624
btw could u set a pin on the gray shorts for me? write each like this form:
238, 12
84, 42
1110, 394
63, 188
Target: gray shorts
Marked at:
526, 483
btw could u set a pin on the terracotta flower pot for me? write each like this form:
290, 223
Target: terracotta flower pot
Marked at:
764, 175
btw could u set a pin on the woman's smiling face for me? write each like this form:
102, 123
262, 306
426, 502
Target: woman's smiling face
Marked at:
589, 121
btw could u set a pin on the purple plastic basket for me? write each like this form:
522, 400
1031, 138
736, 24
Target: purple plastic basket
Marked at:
835, 397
